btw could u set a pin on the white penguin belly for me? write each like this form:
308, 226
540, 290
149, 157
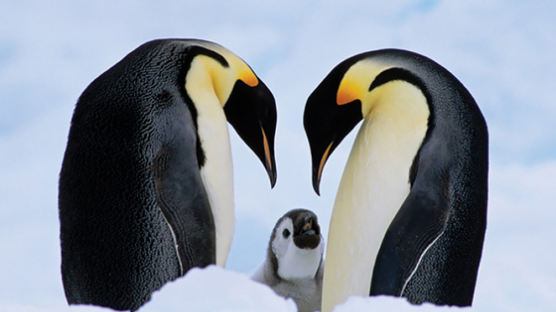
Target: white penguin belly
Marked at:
217, 174
373, 187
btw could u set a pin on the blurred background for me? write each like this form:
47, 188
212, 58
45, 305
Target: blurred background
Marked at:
502, 51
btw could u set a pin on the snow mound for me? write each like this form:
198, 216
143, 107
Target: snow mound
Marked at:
219, 290
30, 308
387, 304
216, 289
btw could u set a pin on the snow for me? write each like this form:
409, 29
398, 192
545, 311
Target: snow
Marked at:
387, 304
210, 289
30, 308
219, 290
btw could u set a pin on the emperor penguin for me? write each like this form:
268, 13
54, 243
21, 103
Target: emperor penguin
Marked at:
410, 213
293, 266
145, 189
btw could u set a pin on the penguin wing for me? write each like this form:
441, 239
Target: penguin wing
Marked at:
417, 225
181, 195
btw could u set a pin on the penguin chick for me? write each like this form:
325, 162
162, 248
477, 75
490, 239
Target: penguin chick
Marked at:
293, 267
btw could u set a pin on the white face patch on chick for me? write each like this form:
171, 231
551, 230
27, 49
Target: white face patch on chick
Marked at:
296, 262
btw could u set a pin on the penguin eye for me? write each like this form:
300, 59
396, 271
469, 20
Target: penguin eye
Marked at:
286, 233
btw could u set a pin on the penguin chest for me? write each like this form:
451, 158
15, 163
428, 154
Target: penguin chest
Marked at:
217, 176
374, 185
298, 264
305, 292
373, 188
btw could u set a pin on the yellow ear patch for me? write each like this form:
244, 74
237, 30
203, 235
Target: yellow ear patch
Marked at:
357, 80
249, 78
348, 92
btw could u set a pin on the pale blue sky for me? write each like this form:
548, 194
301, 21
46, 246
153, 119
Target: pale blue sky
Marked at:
503, 51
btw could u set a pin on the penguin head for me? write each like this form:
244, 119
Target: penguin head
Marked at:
296, 245
345, 96
247, 102
327, 121
251, 110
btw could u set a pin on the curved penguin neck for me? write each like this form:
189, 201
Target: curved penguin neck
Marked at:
374, 185
212, 129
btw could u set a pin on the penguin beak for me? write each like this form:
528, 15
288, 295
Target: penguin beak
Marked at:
317, 168
269, 160
307, 235
307, 228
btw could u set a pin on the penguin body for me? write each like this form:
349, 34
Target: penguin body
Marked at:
139, 201
293, 267
412, 200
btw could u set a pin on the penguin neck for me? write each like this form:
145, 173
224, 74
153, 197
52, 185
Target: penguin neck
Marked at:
374, 185
300, 264
216, 173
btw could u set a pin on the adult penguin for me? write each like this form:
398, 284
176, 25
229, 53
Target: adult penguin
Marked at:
410, 213
145, 188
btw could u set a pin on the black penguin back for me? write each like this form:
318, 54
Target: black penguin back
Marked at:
449, 185
447, 273
131, 127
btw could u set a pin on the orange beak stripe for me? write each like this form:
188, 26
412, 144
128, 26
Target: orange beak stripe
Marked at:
266, 149
323, 159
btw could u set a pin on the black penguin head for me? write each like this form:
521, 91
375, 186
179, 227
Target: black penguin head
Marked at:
296, 245
248, 104
347, 95
306, 229
251, 110
330, 114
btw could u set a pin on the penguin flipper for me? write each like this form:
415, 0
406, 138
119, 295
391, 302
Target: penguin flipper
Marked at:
417, 225
181, 196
